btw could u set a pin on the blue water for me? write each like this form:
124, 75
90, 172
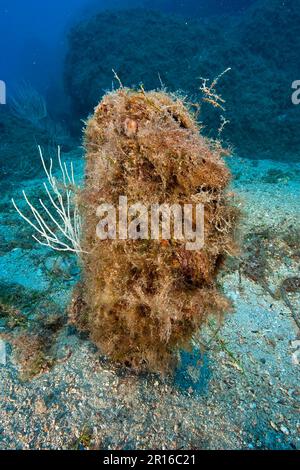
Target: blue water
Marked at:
45, 45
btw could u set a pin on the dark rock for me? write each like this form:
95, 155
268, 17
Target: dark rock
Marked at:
261, 47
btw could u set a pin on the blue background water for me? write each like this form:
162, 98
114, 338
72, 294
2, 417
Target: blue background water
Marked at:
69, 61
33, 33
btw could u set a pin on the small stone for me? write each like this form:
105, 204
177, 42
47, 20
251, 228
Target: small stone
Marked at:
40, 407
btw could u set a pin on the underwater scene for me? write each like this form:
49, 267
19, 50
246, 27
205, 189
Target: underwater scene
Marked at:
150, 225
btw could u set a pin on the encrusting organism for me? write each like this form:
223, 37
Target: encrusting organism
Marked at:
141, 300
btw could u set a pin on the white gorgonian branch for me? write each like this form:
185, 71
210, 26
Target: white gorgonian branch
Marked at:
64, 215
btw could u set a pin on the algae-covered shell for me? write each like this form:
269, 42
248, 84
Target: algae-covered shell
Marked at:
145, 298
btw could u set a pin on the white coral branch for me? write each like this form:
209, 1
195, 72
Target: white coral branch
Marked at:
66, 216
